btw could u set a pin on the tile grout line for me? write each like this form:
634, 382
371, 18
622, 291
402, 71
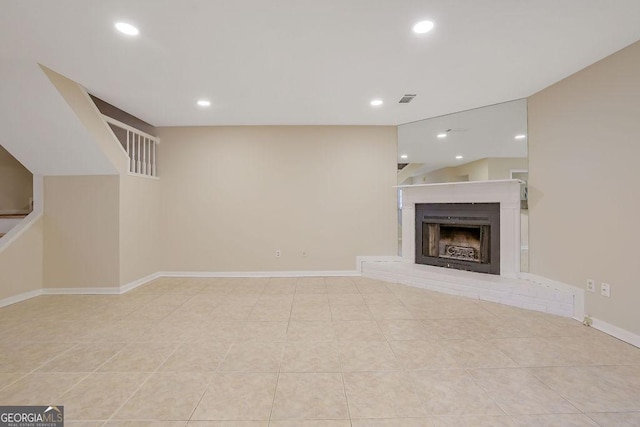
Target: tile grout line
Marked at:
344, 386
96, 371
275, 389
594, 421
603, 361
530, 371
141, 385
35, 370
206, 388
484, 390
148, 377
401, 366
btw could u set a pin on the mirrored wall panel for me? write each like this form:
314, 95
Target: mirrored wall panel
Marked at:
488, 143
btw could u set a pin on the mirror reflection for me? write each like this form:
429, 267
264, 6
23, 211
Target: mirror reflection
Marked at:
488, 143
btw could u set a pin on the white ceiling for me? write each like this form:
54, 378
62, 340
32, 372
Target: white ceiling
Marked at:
308, 62
475, 134
39, 128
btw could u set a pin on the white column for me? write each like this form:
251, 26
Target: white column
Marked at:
408, 233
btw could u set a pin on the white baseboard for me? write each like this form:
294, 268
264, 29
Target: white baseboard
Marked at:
81, 291
322, 273
78, 291
598, 324
20, 297
139, 282
102, 291
615, 331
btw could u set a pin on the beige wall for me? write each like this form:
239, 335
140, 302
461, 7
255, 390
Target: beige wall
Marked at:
479, 170
584, 179
127, 217
81, 239
16, 184
89, 115
140, 231
501, 167
21, 263
232, 196
473, 171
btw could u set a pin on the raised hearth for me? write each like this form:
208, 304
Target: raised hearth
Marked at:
527, 292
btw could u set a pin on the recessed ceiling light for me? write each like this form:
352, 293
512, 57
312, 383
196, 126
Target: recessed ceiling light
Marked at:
521, 136
404, 156
442, 135
204, 103
423, 27
458, 157
127, 29
376, 102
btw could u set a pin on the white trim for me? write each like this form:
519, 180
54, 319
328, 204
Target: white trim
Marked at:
136, 283
322, 273
102, 291
132, 285
382, 258
440, 184
141, 175
578, 293
14, 212
125, 126
20, 297
617, 332
81, 291
7, 223
598, 324
18, 230
29, 220
38, 193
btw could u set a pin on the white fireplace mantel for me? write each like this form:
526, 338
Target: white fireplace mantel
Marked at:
505, 192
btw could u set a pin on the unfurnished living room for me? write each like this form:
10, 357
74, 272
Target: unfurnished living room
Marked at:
304, 213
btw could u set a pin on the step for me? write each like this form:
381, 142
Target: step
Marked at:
488, 287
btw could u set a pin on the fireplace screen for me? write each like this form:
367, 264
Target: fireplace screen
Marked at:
459, 235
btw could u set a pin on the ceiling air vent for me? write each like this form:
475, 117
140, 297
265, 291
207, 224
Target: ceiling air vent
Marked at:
406, 99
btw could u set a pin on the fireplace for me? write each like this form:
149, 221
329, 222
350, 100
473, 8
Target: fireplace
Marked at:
464, 236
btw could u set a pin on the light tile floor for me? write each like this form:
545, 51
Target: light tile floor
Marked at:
310, 352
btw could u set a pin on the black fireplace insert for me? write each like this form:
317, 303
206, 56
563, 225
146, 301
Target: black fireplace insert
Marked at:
464, 236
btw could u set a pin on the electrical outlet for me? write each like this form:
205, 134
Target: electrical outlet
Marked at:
591, 285
605, 290
278, 253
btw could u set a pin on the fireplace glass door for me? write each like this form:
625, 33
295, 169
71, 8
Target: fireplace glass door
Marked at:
465, 236
461, 242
